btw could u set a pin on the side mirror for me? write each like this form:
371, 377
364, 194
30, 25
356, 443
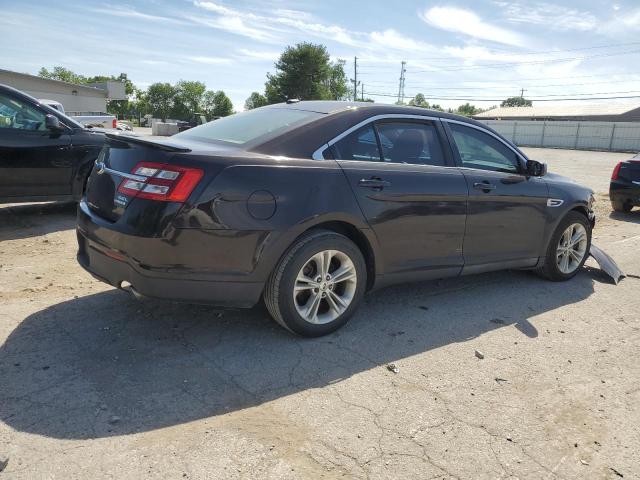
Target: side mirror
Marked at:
52, 123
536, 169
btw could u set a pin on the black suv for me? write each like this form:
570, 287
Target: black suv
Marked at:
44, 155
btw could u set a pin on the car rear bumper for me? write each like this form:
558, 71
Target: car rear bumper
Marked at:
625, 191
107, 255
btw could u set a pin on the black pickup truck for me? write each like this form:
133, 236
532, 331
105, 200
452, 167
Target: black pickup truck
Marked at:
44, 155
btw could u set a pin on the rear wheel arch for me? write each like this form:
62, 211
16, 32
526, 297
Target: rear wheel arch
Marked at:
356, 236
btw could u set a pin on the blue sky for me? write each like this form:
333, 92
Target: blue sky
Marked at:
455, 50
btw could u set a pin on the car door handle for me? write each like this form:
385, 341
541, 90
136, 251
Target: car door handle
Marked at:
484, 186
373, 182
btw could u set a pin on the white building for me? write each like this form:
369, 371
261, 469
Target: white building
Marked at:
77, 99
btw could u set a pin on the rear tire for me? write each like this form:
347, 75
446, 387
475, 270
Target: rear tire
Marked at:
318, 284
620, 206
568, 248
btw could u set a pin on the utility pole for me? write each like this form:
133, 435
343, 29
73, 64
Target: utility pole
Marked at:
362, 92
355, 79
401, 85
522, 90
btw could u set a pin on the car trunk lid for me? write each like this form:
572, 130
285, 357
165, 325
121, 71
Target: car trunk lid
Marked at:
116, 165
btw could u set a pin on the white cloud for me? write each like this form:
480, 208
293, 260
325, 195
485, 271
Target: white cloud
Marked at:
557, 17
467, 22
473, 52
261, 27
392, 39
287, 12
210, 60
259, 55
214, 7
131, 13
232, 24
623, 21
332, 32
154, 62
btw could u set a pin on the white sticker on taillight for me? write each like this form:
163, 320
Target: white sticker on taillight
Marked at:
146, 171
133, 185
167, 175
159, 189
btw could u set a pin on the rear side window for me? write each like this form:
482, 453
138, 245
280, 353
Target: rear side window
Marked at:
248, 126
407, 142
17, 115
359, 145
482, 151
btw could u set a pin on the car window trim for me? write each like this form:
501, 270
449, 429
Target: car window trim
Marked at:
317, 155
440, 138
522, 159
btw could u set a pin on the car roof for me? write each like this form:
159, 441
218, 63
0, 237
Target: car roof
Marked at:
338, 116
369, 109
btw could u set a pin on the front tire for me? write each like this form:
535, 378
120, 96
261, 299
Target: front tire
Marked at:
318, 284
568, 248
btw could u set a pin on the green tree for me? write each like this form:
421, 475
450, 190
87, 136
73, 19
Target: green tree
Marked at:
160, 97
302, 72
189, 98
217, 104
419, 101
255, 100
467, 110
337, 82
516, 102
62, 74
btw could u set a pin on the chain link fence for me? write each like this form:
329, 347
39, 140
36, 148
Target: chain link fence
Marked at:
610, 136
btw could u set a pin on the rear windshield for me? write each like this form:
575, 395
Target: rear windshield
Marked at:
248, 126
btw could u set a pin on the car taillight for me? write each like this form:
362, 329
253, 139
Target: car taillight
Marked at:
114, 123
616, 171
160, 181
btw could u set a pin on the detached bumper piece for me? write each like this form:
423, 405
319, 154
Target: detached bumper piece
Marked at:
606, 263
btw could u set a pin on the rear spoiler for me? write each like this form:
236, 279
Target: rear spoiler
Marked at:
159, 144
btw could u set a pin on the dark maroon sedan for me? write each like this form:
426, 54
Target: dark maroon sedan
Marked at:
308, 205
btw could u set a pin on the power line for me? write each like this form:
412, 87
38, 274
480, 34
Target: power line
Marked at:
535, 97
455, 68
509, 87
540, 52
539, 78
470, 99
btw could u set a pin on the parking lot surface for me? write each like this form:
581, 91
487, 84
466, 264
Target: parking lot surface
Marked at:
500, 375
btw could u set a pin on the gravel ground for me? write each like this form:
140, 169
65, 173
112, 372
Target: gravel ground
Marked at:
94, 384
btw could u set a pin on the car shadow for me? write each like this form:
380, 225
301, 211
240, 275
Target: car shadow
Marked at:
105, 364
26, 220
633, 216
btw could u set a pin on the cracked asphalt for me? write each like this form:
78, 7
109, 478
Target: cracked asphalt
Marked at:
94, 384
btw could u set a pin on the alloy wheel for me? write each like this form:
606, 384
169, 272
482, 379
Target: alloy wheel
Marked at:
325, 286
572, 248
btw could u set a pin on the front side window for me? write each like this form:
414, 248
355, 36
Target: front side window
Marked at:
408, 142
359, 145
17, 115
482, 151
